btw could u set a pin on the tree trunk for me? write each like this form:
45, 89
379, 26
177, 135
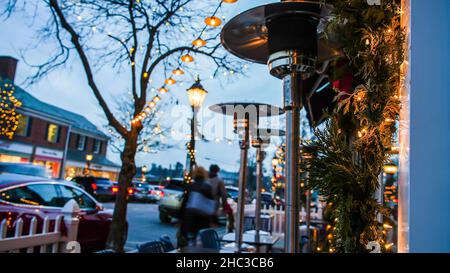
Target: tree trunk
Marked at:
119, 228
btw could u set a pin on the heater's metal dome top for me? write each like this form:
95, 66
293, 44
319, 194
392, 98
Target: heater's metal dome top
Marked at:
266, 133
262, 109
246, 34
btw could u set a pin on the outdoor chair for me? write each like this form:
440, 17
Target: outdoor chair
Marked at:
106, 251
167, 243
249, 224
210, 238
151, 247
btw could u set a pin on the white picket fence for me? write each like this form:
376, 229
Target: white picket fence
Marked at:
278, 217
47, 241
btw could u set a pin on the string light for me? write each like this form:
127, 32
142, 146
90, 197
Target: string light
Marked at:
163, 90
187, 58
156, 99
9, 118
213, 21
178, 72
199, 42
170, 81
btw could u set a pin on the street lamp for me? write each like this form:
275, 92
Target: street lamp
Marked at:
143, 171
196, 95
285, 36
89, 158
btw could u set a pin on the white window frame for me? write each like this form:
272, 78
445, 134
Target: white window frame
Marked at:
81, 139
97, 146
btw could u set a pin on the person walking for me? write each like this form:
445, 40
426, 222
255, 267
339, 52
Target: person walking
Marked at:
197, 208
219, 193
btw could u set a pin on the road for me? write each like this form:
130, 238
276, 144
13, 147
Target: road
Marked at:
144, 224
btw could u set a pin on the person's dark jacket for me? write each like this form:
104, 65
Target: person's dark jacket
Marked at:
192, 222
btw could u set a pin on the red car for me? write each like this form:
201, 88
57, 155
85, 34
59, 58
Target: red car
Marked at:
27, 197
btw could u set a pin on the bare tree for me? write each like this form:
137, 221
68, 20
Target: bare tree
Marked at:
143, 37
154, 134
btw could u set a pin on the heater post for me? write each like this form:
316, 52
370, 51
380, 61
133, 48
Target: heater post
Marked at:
244, 145
259, 176
292, 102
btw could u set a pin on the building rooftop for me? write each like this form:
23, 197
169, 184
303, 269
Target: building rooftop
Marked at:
77, 121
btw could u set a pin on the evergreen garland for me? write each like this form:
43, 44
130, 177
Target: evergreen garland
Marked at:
9, 118
352, 148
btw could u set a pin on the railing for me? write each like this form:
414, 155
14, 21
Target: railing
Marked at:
54, 241
278, 216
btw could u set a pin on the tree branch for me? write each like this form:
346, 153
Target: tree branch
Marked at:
87, 68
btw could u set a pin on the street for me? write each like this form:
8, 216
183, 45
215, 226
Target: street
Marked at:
144, 224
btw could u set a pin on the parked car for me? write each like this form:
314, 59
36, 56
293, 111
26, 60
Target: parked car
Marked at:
25, 169
115, 190
170, 204
234, 194
101, 188
267, 199
145, 192
25, 197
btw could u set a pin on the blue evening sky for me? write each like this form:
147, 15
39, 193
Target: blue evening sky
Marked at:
67, 88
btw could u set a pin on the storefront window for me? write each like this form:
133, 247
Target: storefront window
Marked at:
52, 167
13, 159
71, 172
53, 133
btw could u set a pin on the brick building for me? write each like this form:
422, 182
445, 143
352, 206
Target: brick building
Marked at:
53, 137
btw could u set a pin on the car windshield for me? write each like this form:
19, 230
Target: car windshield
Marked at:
155, 183
141, 186
102, 181
266, 197
24, 170
176, 185
233, 193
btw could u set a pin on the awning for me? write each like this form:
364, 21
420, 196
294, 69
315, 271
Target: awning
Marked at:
95, 167
15, 149
14, 153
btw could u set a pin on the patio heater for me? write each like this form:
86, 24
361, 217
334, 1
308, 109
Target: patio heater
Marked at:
260, 140
245, 121
285, 36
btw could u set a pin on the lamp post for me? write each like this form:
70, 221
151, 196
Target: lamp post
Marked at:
285, 36
89, 158
246, 119
196, 95
144, 171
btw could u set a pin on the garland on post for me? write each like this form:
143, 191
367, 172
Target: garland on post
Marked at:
352, 148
